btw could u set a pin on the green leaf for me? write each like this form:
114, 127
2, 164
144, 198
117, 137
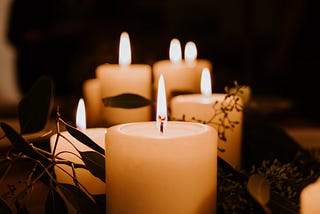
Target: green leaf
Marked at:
21, 145
77, 198
35, 108
95, 163
4, 207
126, 100
55, 203
259, 188
80, 136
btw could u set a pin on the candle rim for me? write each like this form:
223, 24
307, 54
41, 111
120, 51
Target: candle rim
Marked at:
202, 128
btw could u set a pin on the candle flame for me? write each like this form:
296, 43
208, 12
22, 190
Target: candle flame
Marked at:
161, 105
124, 49
190, 52
175, 54
81, 115
206, 88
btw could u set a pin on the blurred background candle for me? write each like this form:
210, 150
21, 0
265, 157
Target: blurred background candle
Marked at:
94, 104
190, 56
66, 151
161, 167
309, 198
178, 76
206, 108
182, 76
116, 79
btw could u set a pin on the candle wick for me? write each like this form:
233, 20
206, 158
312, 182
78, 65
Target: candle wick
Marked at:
162, 119
161, 127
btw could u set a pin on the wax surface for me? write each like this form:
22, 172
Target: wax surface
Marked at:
181, 76
93, 100
196, 107
309, 199
116, 80
93, 184
174, 172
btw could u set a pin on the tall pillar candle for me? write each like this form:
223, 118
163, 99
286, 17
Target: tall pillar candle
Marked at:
117, 79
148, 172
216, 111
182, 76
93, 100
65, 150
161, 167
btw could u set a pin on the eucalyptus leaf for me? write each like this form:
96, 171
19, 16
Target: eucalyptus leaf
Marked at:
80, 136
259, 188
95, 163
4, 207
77, 198
21, 145
181, 92
54, 203
37, 136
101, 202
4, 165
35, 108
126, 100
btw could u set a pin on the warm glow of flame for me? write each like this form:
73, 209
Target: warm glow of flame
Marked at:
161, 105
124, 49
190, 52
206, 82
81, 116
175, 54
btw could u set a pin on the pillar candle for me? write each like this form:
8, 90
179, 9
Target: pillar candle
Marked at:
93, 100
122, 78
149, 172
180, 75
161, 167
309, 198
91, 183
206, 108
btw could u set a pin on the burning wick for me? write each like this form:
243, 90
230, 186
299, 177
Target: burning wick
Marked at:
162, 119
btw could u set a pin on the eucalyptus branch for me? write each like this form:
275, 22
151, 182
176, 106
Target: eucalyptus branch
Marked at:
31, 174
80, 185
69, 142
74, 177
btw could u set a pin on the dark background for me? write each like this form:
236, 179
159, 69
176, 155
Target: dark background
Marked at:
271, 45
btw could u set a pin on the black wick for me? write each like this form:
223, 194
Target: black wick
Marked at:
162, 119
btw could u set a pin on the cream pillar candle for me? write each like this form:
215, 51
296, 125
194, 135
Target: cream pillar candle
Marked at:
206, 108
309, 199
180, 75
93, 100
149, 172
161, 167
197, 65
66, 151
123, 78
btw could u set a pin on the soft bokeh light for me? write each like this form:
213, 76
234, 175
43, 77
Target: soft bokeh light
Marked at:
81, 115
175, 54
206, 88
124, 49
161, 105
190, 52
